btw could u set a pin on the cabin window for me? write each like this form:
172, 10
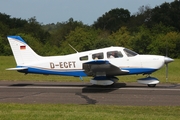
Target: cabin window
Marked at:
114, 54
129, 53
83, 58
98, 56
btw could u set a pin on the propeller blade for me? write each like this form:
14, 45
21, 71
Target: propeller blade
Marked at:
166, 72
167, 60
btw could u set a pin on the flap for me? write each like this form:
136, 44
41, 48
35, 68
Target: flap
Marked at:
93, 67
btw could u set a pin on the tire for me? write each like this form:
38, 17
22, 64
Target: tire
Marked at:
151, 85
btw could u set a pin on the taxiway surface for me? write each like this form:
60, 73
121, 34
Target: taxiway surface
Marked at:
85, 93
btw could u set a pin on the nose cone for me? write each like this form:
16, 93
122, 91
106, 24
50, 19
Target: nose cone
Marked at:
168, 60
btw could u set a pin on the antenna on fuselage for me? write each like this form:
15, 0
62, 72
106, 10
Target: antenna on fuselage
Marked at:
73, 48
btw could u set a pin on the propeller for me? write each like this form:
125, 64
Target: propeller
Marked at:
166, 61
166, 72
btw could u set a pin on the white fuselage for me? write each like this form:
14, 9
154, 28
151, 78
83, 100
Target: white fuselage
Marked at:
136, 64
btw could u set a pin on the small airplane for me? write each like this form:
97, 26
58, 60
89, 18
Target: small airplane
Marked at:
102, 64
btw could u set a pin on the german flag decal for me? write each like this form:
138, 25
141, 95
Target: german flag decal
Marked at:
22, 47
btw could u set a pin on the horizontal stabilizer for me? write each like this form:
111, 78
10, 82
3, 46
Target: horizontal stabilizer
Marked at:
19, 68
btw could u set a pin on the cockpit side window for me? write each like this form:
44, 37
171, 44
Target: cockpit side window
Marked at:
83, 58
114, 54
129, 53
98, 56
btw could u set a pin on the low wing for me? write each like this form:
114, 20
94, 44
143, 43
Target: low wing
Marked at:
102, 66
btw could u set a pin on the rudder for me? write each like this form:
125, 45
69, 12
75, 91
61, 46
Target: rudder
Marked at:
23, 54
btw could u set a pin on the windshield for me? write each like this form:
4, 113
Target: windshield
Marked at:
129, 53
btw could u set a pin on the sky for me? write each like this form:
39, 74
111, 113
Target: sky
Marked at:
53, 11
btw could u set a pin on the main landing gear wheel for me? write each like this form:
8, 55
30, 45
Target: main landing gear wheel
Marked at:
151, 85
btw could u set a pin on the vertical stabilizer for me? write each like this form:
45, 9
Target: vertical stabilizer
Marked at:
22, 52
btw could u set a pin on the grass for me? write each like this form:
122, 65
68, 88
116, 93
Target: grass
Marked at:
86, 112
9, 62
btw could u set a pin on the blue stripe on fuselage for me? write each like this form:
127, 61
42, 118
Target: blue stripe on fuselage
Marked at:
54, 72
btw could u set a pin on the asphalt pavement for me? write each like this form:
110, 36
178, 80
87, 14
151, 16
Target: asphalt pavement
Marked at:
130, 94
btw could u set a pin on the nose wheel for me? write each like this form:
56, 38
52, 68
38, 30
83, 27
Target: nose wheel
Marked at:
150, 85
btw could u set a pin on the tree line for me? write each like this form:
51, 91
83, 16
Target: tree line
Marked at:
149, 31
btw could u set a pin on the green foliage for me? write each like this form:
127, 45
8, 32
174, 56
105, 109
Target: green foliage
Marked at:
167, 44
49, 49
121, 37
4, 46
113, 20
82, 38
168, 14
142, 17
63, 29
141, 40
149, 31
102, 43
3, 28
35, 29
